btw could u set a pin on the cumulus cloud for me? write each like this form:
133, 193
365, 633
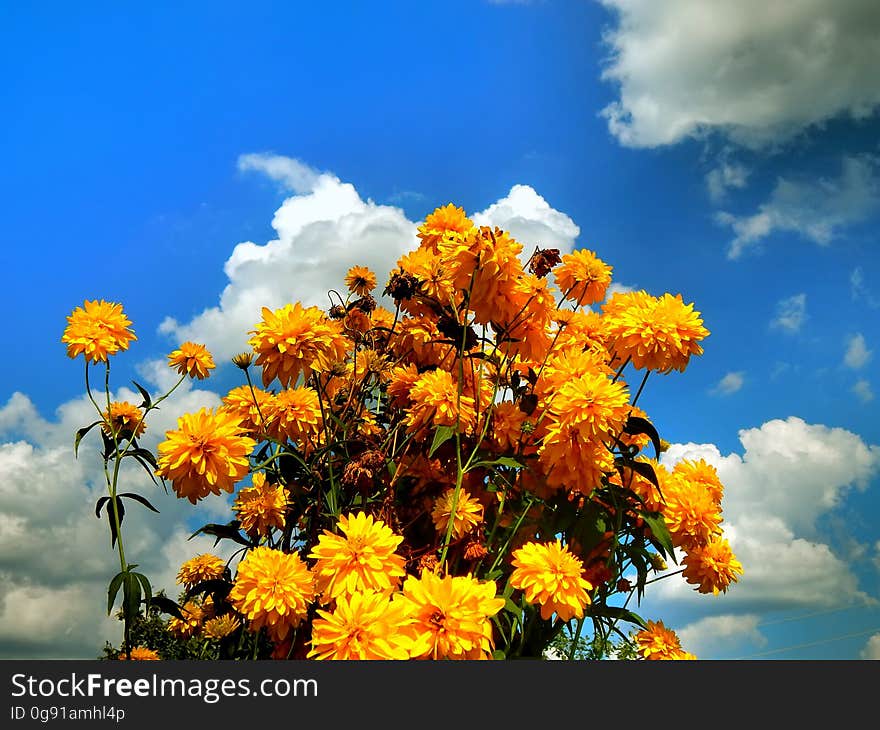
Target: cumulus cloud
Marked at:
730, 383
788, 475
791, 313
324, 228
814, 209
863, 390
714, 635
757, 73
857, 353
55, 555
859, 290
871, 650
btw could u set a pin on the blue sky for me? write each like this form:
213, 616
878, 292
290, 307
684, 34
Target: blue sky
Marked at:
696, 148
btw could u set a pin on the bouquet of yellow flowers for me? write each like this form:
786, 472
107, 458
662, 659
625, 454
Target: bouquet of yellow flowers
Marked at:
462, 474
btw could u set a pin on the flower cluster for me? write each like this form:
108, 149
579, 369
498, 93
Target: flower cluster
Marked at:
454, 467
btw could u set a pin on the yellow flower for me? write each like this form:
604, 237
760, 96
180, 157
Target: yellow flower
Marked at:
449, 219
363, 557
189, 625
700, 474
192, 359
593, 405
658, 642
96, 330
583, 277
124, 419
273, 590
140, 653
551, 577
692, 515
711, 567
360, 280
261, 507
200, 568
451, 616
656, 333
295, 414
250, 408
205, 455
363, 625
294, 341
221, 626
436, 402
468, 513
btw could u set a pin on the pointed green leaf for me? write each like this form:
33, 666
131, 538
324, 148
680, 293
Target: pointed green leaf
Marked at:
144, 394
113, 590
660, 536
636, 425
79, 436
138, 498
441, 436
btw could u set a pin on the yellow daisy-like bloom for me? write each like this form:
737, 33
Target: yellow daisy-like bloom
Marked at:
221, 626
96, 330
295, 414
364, 625
700, 474
451, 616
583, 277
468, 513
507, 426
273, 590
200, 568
206, 454
656, 333
449, 219
140, 653
569, 460
692, 515
189, 625
192, 359
712, 567
658, 642
124, 419
436, 402
296, 340
593, 405
250, 408
261, 507
363, 557
360, 280
552, 577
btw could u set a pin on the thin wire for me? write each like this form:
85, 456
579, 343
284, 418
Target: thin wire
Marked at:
811, 643
806, 615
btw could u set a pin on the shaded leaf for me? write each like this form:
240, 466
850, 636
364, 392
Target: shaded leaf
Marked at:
138, 498
113, 589
229, 531
82, 432
660, 536
636, 425
166, 605
99, 505
615, 612
441, 436
144, 394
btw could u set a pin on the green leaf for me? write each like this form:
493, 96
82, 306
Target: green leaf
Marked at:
499, 655
636, 425
166, 605
138, 498
621, 614
660, 536
501, 461
146, 396
100, 504
131, 595
229, 531
441, 436
144, 454
113, 590
79, 435
148, 589
120, 509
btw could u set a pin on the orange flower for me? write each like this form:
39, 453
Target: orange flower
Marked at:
658, 642
360, 280
583, 277
444, 221
468, 513
96, 330
124, 419
192, 359
551, 577
711, 567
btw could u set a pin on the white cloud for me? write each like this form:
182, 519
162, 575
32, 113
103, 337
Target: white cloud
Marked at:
863, 390
857, 353
55, 555
791, 313
814, 209
871, 650
756, 72
859, 291
724, 177
714, 635
323, 229
789, 474
730, 383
